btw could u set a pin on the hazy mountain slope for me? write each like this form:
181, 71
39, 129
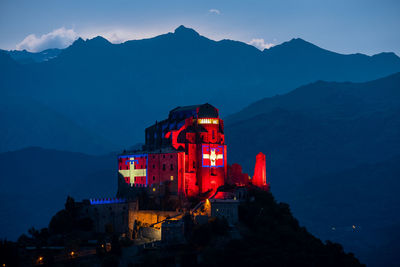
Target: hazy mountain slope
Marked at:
332, 154
330, 99
25, 57
10, 74
25, 122
118, 89
304, 61
35, 182
318, 128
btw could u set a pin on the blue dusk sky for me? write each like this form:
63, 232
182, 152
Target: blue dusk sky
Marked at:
344, 26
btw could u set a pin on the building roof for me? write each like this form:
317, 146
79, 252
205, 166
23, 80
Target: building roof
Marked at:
201, 111
185, 108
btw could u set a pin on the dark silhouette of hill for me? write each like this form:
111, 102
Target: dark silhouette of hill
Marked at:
324, 142
365, 196
35, 183
269, 236
117, 89
25, 57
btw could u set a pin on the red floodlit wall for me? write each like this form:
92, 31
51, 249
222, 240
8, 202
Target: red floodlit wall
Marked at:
260, 172
236, 175
162, 167
205, 164
133, 168
213, 166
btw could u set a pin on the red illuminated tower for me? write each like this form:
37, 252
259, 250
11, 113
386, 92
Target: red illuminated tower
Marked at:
260, 173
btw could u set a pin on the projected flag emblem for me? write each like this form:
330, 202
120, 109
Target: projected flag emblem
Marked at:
213, 156
134, 169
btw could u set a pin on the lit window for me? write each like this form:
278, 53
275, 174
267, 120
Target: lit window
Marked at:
208, 121
172, 178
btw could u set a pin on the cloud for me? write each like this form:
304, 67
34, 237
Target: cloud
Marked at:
214, 11
59, 38
260, 43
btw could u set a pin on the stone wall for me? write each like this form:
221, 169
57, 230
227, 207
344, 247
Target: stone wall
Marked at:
227, 209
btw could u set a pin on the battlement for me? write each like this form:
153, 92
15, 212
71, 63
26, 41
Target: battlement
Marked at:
100, 201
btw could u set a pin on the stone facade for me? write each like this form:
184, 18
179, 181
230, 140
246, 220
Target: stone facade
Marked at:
225, 208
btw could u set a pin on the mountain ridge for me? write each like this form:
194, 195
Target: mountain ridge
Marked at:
93, 82
249, 111
185, 31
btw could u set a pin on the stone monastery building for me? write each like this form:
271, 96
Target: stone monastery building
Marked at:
187, 154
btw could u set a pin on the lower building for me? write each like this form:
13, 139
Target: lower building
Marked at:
226, 209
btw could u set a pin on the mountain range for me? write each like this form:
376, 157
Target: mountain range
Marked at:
113, 91
25, 57
332, 146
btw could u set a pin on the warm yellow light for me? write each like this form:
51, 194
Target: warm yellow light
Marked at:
102, 245
354, 227
208, 121
40, 258
154, 189
172, 178
207, 207
72, 253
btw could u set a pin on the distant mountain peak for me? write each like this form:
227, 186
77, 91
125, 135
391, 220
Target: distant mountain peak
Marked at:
78, 42
183, 31
299, 42
98, 40
386, 55
296, 46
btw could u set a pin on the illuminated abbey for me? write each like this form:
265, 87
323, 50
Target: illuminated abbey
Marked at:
181, 171
186, 155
